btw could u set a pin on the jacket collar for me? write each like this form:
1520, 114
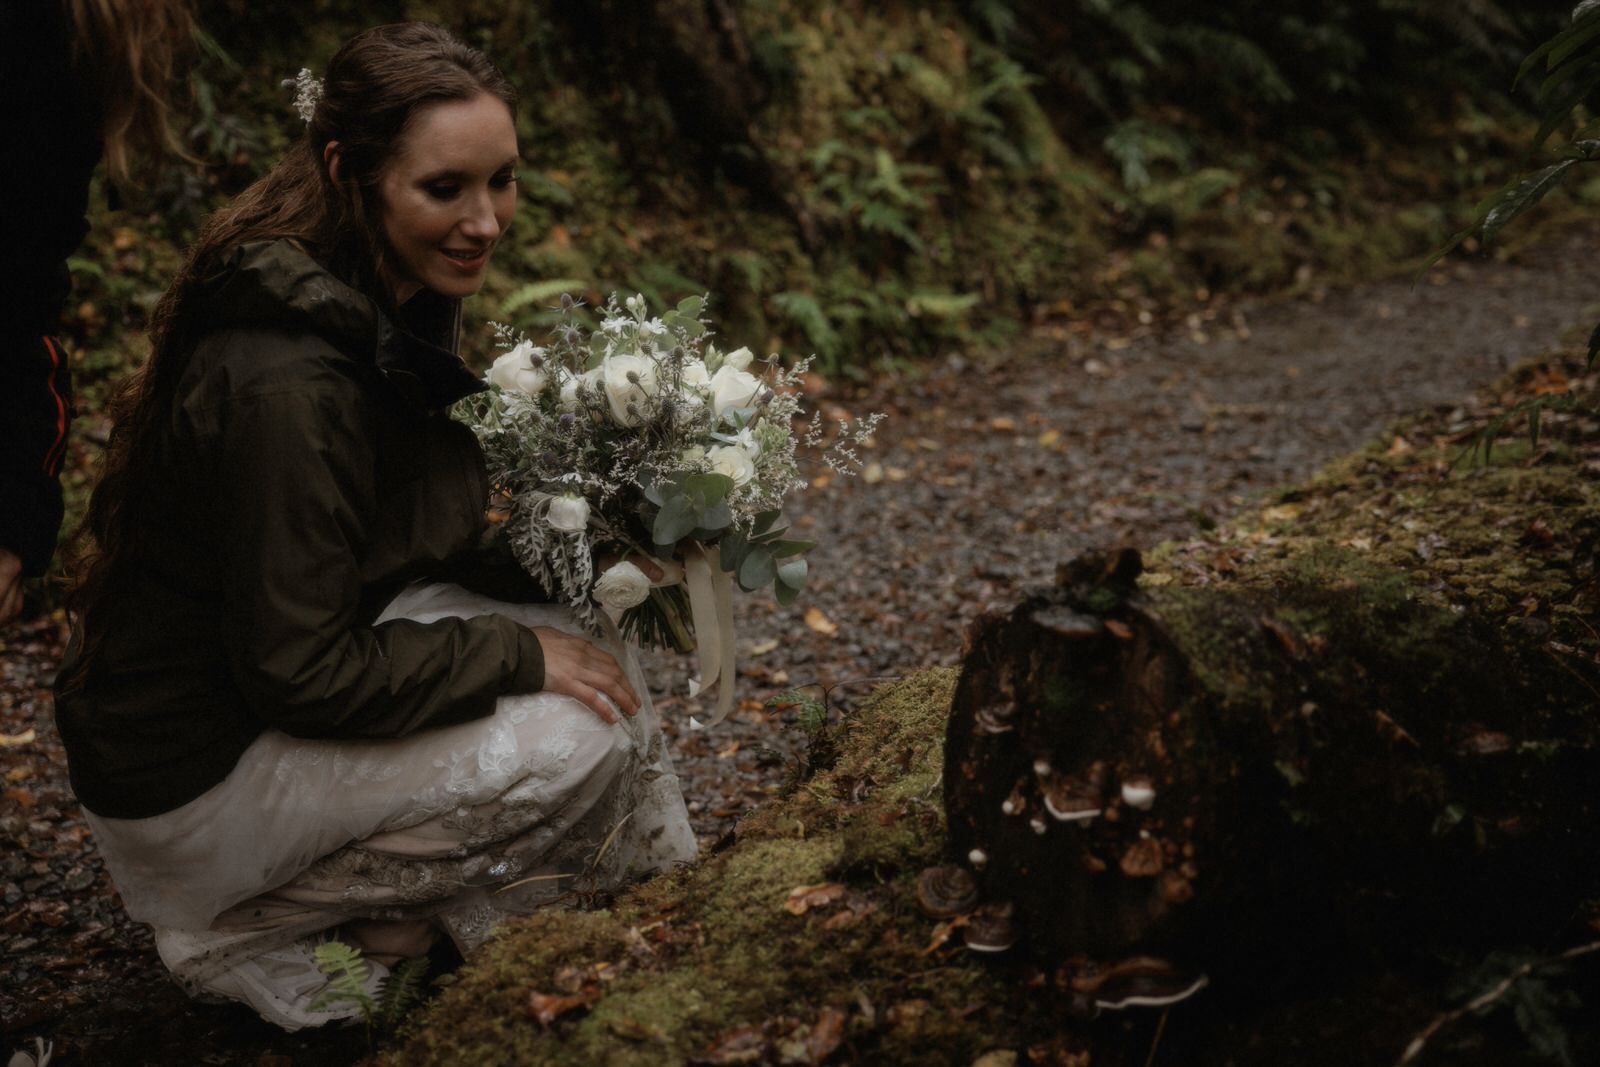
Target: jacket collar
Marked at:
277, 282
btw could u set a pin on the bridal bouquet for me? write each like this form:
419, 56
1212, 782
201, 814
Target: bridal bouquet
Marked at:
640, 438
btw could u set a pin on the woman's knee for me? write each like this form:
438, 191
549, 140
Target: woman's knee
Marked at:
602, 750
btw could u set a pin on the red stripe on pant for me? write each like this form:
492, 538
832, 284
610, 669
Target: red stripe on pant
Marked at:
58, 450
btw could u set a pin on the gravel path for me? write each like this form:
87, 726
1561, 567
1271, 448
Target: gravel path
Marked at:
984, 476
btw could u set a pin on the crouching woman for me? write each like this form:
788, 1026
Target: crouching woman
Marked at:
285, 708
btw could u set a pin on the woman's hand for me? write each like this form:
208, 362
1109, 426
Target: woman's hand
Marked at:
574, 667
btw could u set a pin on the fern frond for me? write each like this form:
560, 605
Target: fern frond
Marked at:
401, 991
347, 972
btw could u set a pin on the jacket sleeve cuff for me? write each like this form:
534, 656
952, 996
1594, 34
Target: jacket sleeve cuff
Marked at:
529, 675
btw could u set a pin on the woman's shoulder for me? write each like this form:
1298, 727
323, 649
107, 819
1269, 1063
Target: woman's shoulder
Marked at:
272, 318
243, 362
279, 289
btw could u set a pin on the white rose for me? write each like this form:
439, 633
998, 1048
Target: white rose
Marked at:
628, 378
733, 461
568, 513
567, 386
695, 374
738, 359
516, 370
621, 587
733, 388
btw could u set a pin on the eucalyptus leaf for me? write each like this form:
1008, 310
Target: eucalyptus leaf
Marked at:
793, 574
675, 521
717, 517
764, 522
733, 547
758, 569
785, 594
783, 549
691, 306
708, 488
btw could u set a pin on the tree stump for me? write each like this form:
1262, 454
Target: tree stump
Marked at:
1315, 753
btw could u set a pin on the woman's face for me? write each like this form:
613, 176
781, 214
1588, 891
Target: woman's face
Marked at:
448, 194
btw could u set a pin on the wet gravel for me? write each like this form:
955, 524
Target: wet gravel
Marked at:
985, 474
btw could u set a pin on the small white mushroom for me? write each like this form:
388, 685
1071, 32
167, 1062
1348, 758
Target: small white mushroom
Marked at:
1017, 802
1038, 825
1138, 792
978, 858
1041, 767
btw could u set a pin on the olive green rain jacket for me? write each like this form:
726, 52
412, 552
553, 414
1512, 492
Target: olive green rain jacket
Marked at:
305, 473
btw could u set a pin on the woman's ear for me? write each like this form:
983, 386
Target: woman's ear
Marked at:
330, 157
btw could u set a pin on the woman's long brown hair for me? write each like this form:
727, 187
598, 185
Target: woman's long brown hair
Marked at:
131, 51
374, 88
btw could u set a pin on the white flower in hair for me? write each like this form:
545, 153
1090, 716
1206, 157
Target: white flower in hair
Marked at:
307, 91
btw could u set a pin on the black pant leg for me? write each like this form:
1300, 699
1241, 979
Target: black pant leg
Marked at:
35, 412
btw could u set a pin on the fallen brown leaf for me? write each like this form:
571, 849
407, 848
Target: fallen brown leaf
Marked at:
546, 1008
803, 898
820, 622
747, 1044
826, 1033
1143, 859
632, 1030
943, 933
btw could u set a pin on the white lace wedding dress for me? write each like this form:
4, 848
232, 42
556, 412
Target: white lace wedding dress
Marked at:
540, 802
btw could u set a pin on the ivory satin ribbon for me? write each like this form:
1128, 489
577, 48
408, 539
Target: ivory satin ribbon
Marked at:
711, 608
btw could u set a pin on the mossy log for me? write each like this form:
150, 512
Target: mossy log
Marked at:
1321, 729
1363, 710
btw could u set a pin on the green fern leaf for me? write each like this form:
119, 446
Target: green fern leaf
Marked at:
401, 991
347, 972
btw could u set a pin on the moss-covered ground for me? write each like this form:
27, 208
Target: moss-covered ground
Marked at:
709, 961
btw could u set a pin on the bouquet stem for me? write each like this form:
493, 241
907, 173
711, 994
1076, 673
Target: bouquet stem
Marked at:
662, 620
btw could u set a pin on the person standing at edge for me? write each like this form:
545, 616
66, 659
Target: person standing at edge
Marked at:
84, 78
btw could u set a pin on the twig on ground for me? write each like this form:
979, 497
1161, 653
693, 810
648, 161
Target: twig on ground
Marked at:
1155, 1042
1488, 997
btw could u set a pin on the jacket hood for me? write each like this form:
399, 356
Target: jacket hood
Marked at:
276, 283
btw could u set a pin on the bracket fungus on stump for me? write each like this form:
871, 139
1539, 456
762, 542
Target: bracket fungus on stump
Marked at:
1204, 771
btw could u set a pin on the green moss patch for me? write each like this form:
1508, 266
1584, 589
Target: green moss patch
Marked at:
710, 959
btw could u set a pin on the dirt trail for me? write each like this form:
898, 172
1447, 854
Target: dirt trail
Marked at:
984, 477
